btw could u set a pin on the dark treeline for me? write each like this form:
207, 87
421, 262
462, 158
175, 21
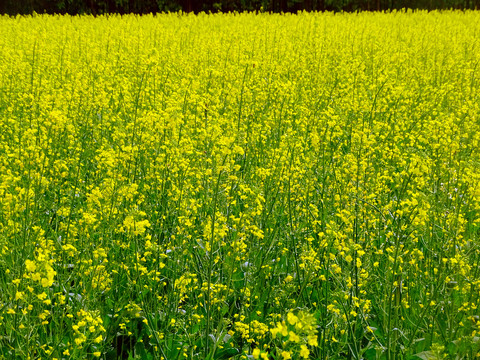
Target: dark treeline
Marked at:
14, 7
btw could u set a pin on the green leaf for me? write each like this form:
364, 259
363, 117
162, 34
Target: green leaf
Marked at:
370, 354
452, 348
140, 350
425, 355
226, 353
373, 352
419, 344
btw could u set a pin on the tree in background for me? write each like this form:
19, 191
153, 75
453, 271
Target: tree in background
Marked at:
95, 7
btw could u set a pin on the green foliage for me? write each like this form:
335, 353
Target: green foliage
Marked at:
13, 7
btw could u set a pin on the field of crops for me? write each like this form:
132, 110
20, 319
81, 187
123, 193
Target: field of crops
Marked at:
240, 186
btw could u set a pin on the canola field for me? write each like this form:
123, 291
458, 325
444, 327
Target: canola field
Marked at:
240, 186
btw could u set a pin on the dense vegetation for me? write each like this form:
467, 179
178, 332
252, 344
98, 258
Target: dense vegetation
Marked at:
236, 186
13, 7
